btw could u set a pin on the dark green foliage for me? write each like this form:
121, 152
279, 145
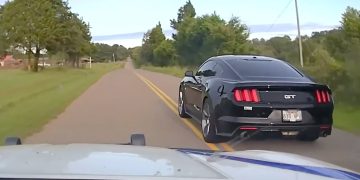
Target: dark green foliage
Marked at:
43, 26
196, 39
330, 57
164, 54
105, 52
152, 40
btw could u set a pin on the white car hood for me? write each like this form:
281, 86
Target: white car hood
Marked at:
92, 161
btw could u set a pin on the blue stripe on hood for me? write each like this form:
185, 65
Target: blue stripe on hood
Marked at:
321, 171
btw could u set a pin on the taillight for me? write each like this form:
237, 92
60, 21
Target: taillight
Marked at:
247, 95
322, 96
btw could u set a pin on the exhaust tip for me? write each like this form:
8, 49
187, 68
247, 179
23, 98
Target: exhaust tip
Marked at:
244, 134
324, 134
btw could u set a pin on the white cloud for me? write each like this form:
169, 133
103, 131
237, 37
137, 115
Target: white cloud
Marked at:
292, 34
125, 42
266, 35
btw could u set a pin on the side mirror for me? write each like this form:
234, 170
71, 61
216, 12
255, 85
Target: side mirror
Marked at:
189, 74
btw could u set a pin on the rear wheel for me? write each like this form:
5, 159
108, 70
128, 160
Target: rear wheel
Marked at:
181, 105
208, 125
12, 141
137, 140
309, 136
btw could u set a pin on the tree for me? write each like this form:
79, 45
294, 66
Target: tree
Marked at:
351, 28
185, 43
351, 93
78, 42
73, 36
105, 52
44, 26
200, 38
135, 56
351, 22
3, 44
151, 40
260, 48
164, 54
282, 47
120, 52
237, 42
186, 11
331, 56
29, 25
335, 43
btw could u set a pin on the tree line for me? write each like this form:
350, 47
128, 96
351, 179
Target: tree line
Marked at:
196, 39
105, 52
49, 27
330, 57
44, 26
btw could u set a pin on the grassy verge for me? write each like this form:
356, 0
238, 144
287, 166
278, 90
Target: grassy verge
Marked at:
345, 117
30, 100
171, 70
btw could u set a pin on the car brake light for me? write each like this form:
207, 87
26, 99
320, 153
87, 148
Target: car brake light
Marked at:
328, 96
322, 96
254, 95
247, 95
237, 95
248, 128
324, 126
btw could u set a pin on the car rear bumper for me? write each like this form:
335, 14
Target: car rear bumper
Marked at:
230, 126
323, 130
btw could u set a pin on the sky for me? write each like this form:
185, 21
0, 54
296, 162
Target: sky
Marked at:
125, 21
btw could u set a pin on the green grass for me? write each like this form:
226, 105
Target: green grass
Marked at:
347, 118
29, 100
171, 70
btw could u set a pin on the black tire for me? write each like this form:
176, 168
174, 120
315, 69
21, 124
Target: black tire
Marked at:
208, 127
137, 140
181, 106
12, 141
309, 136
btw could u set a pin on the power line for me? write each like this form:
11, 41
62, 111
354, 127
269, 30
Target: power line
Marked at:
279, 15
299, 35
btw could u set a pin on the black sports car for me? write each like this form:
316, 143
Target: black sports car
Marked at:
234, 94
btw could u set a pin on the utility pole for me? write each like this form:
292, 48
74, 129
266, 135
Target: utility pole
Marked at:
113, 57
90, 62
299, 35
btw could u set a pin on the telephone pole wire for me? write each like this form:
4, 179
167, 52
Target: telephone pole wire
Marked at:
299, 35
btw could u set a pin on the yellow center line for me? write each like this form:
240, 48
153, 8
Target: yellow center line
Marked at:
173, 106
173, 109
226, 146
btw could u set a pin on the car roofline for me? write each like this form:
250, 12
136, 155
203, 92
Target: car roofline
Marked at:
243, 57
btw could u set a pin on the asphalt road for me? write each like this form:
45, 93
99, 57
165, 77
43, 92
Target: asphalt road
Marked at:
137, 101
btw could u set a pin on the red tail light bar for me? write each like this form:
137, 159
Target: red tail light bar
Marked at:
322, 96
246, 95
246, 128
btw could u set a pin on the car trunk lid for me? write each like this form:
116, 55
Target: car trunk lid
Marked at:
285, 92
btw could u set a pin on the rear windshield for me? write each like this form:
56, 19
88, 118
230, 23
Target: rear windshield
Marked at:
263, 68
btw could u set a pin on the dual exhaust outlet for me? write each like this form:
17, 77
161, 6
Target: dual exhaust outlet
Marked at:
246, 134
